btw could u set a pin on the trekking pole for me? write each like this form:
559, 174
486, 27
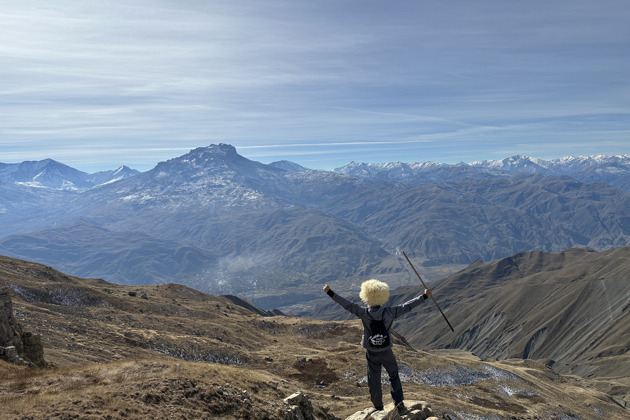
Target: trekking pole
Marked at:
425, 286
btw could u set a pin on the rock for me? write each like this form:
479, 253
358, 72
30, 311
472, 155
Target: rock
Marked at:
9, 354
10, 331
385, 415
362, 415
17, 346
33, 349
416, 410
300, 408
293, 413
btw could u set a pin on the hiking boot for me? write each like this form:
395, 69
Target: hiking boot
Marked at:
401, 408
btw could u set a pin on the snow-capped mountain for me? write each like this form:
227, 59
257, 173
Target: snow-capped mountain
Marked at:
107, 177
413, 173
46, 173
49, 173
288, 166
613, 170
568, 165
280, 230
214, 177
515, 164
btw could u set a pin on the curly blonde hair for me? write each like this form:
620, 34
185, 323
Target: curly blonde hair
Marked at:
374, 292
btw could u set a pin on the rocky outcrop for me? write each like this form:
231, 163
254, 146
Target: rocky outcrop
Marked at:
416, 410
16, 345
299, 407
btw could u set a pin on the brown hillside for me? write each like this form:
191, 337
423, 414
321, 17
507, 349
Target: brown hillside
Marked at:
171, 352
570, 309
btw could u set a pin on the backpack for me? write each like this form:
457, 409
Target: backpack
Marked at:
379, 337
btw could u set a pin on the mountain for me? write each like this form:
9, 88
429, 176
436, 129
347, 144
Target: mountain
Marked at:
46, 173
124, 257
415, 173
20, 205
168, 351
51, 174
460, 222
578, 167
288, 166
526, 305
610, 169
269, 246
107, 177
275, 233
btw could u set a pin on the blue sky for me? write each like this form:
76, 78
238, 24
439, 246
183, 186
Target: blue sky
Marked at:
97, 84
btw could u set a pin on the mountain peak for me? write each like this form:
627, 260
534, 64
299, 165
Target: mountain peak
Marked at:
216, 149
288, 166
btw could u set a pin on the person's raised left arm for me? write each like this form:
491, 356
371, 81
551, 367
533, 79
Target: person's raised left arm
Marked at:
406, 307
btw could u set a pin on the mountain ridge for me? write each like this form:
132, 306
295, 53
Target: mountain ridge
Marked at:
277, 232
51, 174
611, 169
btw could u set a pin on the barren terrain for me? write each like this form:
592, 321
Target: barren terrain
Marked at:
171, 352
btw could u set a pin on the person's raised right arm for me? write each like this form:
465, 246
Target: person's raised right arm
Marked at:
353, 308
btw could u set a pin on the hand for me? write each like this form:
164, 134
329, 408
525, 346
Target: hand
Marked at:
326, 288
428, 292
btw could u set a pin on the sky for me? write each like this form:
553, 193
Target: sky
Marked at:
98, 84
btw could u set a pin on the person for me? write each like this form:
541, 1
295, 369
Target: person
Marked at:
377, 320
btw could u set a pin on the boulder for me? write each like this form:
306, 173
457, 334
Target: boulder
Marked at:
10, 331
17, 346
33, 349
9, 354
416, 410
363, 415
299, 407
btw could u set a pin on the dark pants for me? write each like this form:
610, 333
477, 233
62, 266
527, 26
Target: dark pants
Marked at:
386, 359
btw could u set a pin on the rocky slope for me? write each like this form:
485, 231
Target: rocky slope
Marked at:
167, 351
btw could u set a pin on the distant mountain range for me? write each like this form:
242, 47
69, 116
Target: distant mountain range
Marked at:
216, 221
48, 173
613, 170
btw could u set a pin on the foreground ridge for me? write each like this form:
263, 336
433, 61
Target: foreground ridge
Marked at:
172, 352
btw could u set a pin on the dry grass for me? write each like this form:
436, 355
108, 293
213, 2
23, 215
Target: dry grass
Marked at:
140, 389
180, 355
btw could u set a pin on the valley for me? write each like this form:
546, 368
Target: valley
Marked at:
223, 224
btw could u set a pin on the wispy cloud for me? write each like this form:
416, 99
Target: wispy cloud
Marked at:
342, 80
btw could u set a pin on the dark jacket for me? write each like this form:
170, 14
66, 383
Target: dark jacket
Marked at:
385, 313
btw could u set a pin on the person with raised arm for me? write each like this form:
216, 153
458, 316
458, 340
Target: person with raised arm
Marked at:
377, 321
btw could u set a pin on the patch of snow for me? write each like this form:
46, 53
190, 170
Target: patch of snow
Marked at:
455, 376
467, 416
31, 184
509, 391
